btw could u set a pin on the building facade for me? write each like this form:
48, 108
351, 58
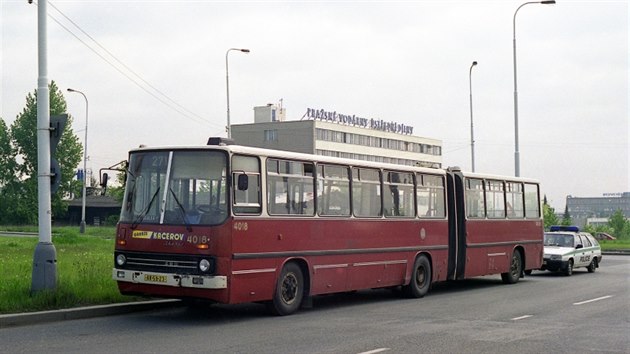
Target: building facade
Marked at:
331, 134
591, 210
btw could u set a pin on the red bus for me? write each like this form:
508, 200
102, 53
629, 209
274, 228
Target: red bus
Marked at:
234, 224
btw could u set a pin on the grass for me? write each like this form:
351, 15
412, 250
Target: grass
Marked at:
610, 245
84, 266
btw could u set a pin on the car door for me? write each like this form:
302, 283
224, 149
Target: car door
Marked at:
584, 254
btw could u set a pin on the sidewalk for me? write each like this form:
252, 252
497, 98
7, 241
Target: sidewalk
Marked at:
29, 318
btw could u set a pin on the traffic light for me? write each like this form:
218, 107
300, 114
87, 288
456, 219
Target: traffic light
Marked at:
57, 125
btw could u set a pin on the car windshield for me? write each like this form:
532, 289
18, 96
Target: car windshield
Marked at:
176, 187
562, 240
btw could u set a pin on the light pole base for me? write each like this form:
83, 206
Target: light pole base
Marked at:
44, 267
82, 227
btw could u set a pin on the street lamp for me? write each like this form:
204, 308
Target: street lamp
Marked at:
82, 225
472, 135
227, 88
517, 163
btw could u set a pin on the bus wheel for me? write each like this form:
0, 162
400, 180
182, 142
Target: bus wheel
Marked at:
420, 278
516, 266
289, 291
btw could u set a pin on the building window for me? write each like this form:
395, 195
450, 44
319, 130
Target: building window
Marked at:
271, 135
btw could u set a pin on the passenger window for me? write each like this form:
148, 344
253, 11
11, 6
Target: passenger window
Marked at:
366, 192
475, 204
514, 196
333, 190
398, 199
290, 187
495, 200
430, 196
532, 202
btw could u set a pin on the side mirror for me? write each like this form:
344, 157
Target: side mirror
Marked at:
104, 180
579, 246
243, 182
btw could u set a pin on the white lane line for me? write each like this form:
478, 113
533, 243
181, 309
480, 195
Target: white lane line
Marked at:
522, 317
376, 351
592, 300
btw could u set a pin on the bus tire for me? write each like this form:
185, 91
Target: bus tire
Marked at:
289, 291
516, 267
420, 278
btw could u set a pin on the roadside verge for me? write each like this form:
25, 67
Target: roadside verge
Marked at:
29, 318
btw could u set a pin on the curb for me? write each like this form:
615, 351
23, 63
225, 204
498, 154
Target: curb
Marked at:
29, 318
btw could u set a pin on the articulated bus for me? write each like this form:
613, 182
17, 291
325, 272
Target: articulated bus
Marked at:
234, 224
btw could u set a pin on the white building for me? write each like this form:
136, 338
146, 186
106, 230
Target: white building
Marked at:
330, 133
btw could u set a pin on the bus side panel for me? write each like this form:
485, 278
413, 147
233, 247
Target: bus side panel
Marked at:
491, 243
341, 255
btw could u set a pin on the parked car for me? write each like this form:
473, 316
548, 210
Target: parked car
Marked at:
604, 236
566, 248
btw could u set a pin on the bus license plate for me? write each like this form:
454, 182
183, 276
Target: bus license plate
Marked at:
155, 278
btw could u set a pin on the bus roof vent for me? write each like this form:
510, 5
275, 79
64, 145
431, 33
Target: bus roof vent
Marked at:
220, 141
454, 169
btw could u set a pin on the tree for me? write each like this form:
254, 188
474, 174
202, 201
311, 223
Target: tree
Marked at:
549, 215
7, 156
23, 136
620, 225
566, 217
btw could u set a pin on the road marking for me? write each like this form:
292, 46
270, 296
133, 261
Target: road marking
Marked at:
592, 300
376, 351
521, 318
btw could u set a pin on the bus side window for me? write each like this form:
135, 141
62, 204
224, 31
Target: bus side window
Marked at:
532, 201
430, 196
246, 185
366, 192
475, 203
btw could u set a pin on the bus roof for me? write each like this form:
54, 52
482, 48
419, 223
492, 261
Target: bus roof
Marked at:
248, 150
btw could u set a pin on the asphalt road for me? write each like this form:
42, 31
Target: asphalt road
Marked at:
544, 312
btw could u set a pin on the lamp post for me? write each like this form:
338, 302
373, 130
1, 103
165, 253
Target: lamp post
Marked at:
227, 87
517, 163
82, 225
472, 135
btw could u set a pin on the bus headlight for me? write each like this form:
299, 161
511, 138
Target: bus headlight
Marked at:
204, 265
121, 260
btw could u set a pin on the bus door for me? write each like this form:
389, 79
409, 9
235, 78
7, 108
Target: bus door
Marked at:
456, 225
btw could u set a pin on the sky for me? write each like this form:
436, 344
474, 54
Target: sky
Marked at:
154, 73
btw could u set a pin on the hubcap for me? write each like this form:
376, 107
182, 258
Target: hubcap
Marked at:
289, 288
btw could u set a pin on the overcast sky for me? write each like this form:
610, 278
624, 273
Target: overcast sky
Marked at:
404, 61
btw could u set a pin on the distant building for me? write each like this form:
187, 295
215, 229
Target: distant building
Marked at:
97, 210
593, 210
329, 133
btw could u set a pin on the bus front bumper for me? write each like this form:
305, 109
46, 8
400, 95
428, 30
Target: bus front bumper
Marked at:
168, 279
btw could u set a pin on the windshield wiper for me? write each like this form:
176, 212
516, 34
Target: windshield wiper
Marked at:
145, 212
182, 211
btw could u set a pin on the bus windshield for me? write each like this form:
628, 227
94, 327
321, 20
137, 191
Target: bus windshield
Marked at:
176, 187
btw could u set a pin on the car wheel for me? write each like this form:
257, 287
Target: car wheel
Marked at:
591, 267
569, 269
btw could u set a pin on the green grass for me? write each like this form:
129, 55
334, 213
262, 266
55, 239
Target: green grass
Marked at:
84, 268
615, 245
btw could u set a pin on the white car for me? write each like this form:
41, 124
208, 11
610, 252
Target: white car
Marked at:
566, 248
